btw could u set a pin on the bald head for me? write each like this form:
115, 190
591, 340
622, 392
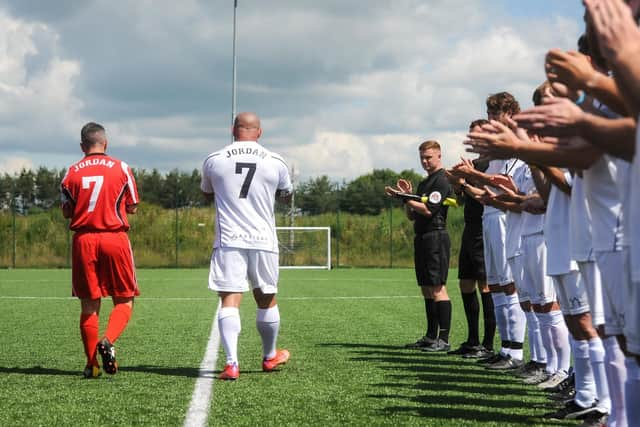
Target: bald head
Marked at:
246, 127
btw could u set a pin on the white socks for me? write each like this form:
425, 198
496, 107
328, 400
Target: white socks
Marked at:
545, 333
596, 358
560, 340
632, 389
517, 326
616, 376
229, 326
585, 384
502, 313
268, 325
536, 349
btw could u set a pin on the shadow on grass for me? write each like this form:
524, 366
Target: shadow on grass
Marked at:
188, 372
438, 386
38, 370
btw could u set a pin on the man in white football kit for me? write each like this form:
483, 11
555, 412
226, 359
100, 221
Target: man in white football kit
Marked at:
244, 179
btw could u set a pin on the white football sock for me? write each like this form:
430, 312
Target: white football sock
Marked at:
268, 325
560, 340
517, 325
229, 326
501, 311
536, 349
616, 376
585, 385
632, 389
545, 334
596, 358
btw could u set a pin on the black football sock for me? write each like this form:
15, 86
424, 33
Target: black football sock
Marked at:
444, 319
472, 313
489, 317
432, 318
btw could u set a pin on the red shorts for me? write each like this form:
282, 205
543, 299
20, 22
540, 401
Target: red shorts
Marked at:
102, 265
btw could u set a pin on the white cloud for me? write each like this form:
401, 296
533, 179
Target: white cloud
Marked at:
11, 165
341, 88
38, 108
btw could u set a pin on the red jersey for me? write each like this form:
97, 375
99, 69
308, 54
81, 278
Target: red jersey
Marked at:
99, 187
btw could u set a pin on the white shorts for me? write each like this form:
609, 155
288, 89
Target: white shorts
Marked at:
632, 314
593, 284
494, 229
515, 264
232, 270
572, 294
534, 260
614, 290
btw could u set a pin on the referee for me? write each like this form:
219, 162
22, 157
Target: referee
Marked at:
432, 248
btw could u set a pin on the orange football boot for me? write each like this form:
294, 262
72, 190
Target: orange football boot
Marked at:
281, 357
230, 372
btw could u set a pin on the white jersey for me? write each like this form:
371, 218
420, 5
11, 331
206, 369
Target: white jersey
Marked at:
513, 239
556, 232
244, 176
634, 230
622, 179
496, 167
581, 239
531, 224
604, 204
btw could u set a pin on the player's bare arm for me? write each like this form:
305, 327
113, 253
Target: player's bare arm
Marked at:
543, 186
131, 209
575, 70
67, 209
556, 177
619, 42
613, 136
283, 196
575, 153
534, 205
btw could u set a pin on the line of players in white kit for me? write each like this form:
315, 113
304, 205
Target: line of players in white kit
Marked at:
560, 198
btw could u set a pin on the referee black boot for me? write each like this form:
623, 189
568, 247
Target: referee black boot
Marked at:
423, 342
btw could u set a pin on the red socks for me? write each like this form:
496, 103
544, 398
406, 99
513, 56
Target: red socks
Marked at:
118, 320
89, 331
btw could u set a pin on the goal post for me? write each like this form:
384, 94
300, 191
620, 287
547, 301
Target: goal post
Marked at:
304, 247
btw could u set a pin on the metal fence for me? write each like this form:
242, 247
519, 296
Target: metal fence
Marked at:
182, 237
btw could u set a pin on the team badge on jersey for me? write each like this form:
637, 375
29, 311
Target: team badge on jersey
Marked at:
435, 197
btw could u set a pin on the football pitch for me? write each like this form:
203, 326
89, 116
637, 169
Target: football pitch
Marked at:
345, 330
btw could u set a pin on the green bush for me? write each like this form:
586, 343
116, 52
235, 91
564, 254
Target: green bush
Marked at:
183, 238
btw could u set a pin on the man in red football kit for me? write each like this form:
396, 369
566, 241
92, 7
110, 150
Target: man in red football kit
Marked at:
97, 193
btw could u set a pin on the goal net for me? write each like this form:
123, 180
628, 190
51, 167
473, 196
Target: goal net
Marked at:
304, 247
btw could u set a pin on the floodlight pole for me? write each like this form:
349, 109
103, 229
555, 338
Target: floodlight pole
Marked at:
233, 84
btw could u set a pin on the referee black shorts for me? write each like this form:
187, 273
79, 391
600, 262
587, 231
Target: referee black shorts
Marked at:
471, 259
431, 257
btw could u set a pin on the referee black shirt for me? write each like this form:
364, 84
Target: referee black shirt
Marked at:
473, 209
437, 188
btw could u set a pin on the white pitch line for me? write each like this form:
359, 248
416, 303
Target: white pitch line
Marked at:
148, 281
198, 412
372, 297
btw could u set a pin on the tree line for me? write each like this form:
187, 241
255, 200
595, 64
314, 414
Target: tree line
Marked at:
31, 191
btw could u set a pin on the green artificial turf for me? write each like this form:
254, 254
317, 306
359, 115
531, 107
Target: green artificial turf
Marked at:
345, 330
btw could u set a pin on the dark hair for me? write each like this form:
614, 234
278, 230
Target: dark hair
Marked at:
503, 102
583, 45
538, 93
429, 144
89, 131
479, 122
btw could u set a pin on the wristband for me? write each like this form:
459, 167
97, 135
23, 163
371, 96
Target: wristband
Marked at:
581, 98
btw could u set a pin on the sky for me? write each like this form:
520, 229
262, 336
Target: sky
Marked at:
342, 87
